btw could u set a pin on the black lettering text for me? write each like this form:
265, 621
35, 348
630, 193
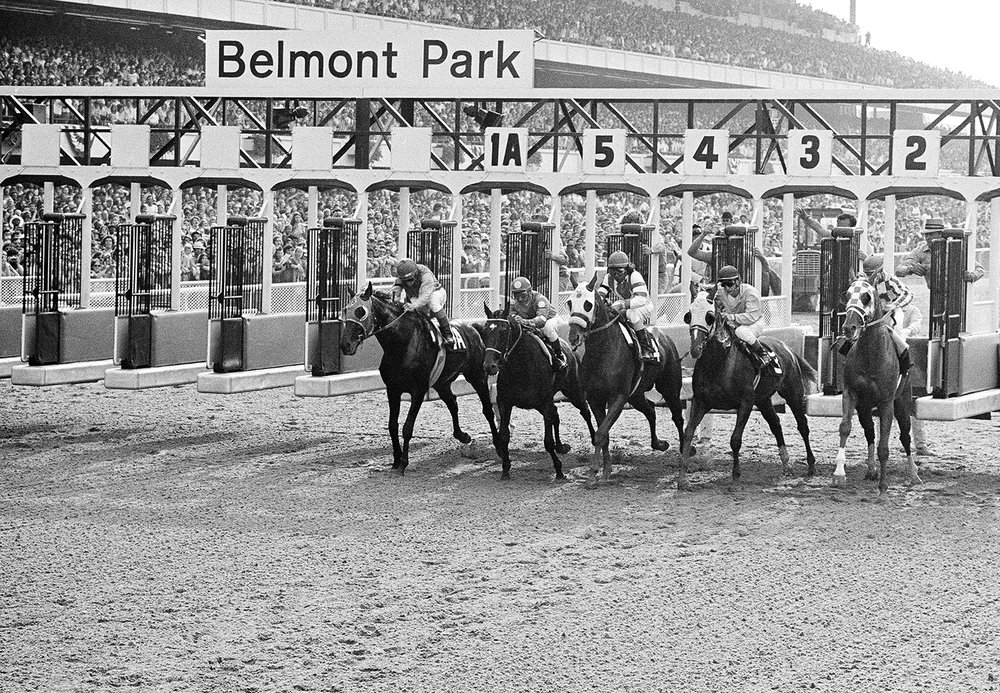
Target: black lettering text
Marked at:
506, 63
340, 72
235, 56
306, 57
442, 50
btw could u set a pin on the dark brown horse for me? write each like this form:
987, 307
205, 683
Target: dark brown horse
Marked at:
872, 382
728, 378
613, 375
521, 362
409, 357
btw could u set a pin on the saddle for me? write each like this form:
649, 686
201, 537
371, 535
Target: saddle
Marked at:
633, 341
548, 346
438, 339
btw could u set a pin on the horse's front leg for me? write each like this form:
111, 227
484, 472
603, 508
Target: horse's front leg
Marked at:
397, 451
561, 448
698, 411
602, 438
884, 431
644, 406
503, 438
551, 444
774, 422
868, 425
736, 439
416, 399
448, 397
847, 412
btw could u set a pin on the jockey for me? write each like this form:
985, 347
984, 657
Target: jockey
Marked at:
531, 308
423, 293
625, 282
739, 305
893, 295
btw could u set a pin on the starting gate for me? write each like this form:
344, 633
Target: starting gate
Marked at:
947, 309
630, 240
432, 245
331, 276
53, 269
525, 253
142, 282
234, 288
839, 266
735, 247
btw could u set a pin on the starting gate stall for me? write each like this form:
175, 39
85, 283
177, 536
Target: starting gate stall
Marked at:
62, 342
154, 345
248, 348
433, 245
962, 368
525, 251
630, 240
735, 247
11, 312
839, 266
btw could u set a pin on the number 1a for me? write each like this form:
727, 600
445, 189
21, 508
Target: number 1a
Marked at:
511, 153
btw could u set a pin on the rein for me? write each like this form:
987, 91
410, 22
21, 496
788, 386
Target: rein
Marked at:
364, 330
504, 355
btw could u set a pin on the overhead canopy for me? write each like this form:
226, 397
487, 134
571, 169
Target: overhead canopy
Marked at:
214, 181
904, 192
800, 191
30, 179
603, 189
413, 185
321, 183
148, 181
702, 189
505, 187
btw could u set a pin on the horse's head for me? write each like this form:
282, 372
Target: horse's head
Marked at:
701, 320
862, 307
497, 336
584, 311
359, 321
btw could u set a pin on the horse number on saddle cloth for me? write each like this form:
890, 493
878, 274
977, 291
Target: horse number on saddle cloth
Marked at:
442, 354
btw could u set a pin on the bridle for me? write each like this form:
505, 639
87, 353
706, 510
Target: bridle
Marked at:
504, 355
855, 305
370, 319
584, 320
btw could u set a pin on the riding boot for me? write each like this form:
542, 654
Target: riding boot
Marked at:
904, 362
646, 352
558, 357
765, 359
449, 338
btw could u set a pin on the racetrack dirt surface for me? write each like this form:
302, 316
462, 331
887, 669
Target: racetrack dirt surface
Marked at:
171, 541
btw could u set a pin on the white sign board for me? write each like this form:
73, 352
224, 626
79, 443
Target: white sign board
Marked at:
312, 148
810, 153
604, 151
220, 146
321, 63
411, 149
916, 153
40, 145
506, 149
706, 152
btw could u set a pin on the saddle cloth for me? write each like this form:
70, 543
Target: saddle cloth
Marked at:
442, 354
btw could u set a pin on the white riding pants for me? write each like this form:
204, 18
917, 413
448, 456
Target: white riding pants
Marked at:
549, 329
436, 301
640, 318
749, 333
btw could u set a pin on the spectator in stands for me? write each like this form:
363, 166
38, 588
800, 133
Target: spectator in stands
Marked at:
12, 262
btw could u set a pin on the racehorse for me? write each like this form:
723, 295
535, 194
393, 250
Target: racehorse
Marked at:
872, 382
728, 378
525, 380
613, 374
410, 363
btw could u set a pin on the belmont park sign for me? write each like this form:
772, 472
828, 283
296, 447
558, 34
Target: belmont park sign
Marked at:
287, 63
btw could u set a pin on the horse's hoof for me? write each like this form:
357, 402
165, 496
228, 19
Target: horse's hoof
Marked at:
562, 448
661, 445
398, 471
915, 480
692, 451
560, 477
871, 476
463, 437
839, 480
505, 476
684, 485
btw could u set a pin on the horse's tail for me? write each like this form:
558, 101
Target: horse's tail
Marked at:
810, 379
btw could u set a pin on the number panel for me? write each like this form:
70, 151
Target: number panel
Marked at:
706, 152
810, 153
916, 153
603, 151
506, 149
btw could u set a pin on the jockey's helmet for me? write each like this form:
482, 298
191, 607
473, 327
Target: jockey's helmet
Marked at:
406, 270
728, 273
520, 285
872, 265
618, 260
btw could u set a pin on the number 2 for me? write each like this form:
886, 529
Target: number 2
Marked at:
920, 146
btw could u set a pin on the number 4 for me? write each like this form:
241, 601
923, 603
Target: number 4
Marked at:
705, 153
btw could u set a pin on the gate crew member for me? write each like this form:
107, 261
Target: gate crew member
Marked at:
918, 260
739, 305
624, 281
531, 308
894, 295
423, 293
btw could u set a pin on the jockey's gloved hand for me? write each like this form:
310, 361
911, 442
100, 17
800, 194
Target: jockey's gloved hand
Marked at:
618, 305
408, 306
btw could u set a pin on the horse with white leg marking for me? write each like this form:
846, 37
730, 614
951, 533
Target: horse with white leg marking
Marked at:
872, 381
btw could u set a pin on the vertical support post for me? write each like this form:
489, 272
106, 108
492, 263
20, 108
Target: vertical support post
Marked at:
657, 260
889, 235
362, 214
267, 211
865, 242
787, 249
994, 268
135, 201
221, 206
362, 136
87, 245
590, 236
48, 197
757, 217
970, 259
555, 245
312, 207
455, 290
175, 249
496, 200
404, 221
687, 221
